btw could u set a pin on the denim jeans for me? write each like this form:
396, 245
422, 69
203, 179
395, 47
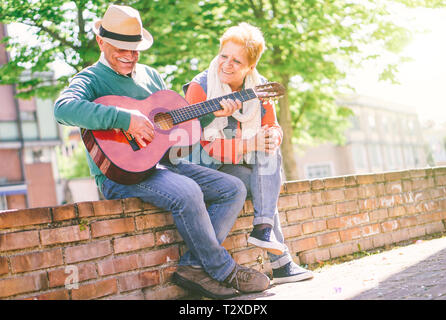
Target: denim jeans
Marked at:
263, 181
185, 189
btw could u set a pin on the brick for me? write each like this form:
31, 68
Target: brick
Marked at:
408, 222
378, 215
365, 179
396, 211
53, 295
85, 209
243, 223
139, 280
36, 260
316, 198
342, 250
136, 295
314, 226
348, 221
171, 292
63, 235
367, 191
324, 211
65, 212
299, 215
351, 193
440, 180
154, 220
368, 204
23, 284
24, 217
297, 186
157, 257
304, 244
110, 227
400, 235
248, 207
107, 207
287, 201
407, 185
417, 173
417, 231
133, 243
394, 187
87, 252
167, 273
328, 238
80, 272
132, 205
305, 200
167, 237
350, 234
118, 265
247, 256
380, 189
346, 207
370, 230
317, 184
314, 256
19, 240
392, 176
350, 181
235, 241
292, 231
389, 226
333, 195
4, 265
382, 239
390, 201
435, 227
95, 290
337, 182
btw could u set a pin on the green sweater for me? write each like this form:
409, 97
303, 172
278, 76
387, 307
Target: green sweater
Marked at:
74, 107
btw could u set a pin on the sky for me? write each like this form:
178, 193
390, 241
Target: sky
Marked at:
422, 81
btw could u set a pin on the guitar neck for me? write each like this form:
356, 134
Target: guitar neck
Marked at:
200, 109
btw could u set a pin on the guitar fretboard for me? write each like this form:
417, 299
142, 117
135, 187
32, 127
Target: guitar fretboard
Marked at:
200, 109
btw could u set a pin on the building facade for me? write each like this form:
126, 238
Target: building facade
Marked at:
383, 137
28, 137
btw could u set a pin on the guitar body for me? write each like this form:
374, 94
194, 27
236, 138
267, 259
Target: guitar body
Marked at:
114, 155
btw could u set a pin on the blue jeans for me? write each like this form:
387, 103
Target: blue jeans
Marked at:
263, 180
185, 189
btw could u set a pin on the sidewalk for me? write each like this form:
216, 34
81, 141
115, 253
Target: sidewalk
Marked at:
416, 271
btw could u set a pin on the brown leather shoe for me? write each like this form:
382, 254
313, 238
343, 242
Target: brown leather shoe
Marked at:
247, 279
197, 280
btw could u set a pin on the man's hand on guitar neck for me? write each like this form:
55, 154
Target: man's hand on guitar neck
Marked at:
141, 128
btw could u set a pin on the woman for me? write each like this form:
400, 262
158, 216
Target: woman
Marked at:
244, 141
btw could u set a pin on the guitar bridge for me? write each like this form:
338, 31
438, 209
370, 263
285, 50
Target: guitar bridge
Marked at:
131, 140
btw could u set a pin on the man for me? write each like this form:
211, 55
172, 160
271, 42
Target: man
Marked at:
183, 189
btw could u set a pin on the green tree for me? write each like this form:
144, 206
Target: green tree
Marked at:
310, 44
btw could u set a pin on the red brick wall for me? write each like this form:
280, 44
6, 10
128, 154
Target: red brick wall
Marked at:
126, 249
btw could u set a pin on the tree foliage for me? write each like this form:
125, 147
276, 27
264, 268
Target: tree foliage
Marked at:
310, 45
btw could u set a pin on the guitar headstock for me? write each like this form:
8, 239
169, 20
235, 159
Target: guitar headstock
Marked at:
269, 91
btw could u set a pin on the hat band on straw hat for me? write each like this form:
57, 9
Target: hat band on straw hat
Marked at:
117, 36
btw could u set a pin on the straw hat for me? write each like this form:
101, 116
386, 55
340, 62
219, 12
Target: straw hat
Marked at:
121, 26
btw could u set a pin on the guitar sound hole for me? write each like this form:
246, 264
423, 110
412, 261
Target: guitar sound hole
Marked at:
163, 121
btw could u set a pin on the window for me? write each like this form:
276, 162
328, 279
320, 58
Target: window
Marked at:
322, 170
359, 156
375, 155
9, 131
3, 202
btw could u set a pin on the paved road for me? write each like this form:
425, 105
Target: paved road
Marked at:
416, 271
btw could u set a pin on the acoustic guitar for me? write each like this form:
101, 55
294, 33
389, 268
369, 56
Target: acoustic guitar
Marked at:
119, 156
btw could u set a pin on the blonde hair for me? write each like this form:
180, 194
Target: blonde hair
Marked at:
248, 36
